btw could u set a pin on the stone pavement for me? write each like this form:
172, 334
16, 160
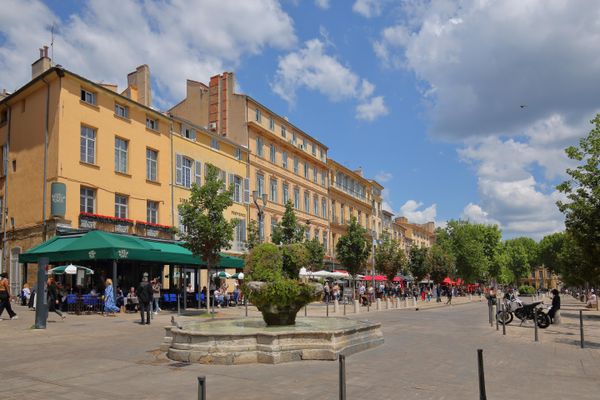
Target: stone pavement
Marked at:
427, 354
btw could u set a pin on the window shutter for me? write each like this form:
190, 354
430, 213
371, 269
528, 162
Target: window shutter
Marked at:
178, 169
243, 230
193, 134
231, 183
247, 190
198, 171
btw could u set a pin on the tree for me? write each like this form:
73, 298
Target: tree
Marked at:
288, 231
582, 210
550, 248
353, 248
389, 257
207, 231
416, 262
253, 235
295, 256
316, 253
439, 263
517, 258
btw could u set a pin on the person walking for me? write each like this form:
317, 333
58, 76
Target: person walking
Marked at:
53, 298
156, 286
555, 305
144, 295
5, 297
449, 294
109, 299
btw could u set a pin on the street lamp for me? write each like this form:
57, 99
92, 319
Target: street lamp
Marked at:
261, 212
374, 234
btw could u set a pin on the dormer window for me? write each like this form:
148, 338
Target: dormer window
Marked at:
188, 133
88, 97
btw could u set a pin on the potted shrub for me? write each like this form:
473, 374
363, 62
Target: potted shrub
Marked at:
273, 286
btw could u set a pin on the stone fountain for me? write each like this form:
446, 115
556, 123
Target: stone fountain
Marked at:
278, 336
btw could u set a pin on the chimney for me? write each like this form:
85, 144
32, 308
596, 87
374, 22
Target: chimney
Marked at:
220, 91
139, 80
42, 65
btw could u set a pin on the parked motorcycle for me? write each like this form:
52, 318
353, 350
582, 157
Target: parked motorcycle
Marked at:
516, 308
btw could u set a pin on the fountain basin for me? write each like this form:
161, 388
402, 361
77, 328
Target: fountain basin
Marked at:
249, 340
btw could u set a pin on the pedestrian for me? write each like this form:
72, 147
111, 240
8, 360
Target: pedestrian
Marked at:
5, 297
555, 305
438, 294
449, 294
53, 298
25, 294
144, 295
109, 299
156, 286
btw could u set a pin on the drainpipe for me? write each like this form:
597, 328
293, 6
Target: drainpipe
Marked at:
44, 225
4, 207
172, 178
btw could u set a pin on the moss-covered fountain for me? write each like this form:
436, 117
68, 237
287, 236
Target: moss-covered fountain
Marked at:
274, 288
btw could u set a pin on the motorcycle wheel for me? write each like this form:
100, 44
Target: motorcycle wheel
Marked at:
507, 316
519, 313
543, 320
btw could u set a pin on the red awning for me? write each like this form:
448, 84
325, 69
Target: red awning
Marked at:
378, 278
397, 279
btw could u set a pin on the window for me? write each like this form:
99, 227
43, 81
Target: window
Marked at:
271, 123
306, 167
272, 152
273, 224
325, 240
87, 148
121, 155
88, 97
283, 131
307, 233
151, 164
317, 234
188, 132
183, 171
323, 207
307, 202
293, 137
182, 227
273, 190
315, 174
295, 164
240, 231
322, 154
237, 189
198, 172
286, 193
304, 144
121, 111
257, 116
323, 177
260, 184
4, 161
87, 200
120, 206
259, 146
316, 205
343, 214
152, 123
214, 143
284, 162
152, 212
238, 154
359, 218
314, 149
332, 210
296, 198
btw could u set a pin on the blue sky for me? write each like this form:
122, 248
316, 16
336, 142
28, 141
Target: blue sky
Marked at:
424, 96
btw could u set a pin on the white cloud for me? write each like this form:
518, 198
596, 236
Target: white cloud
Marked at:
177, 41
383, 176
372, 109
324, 4
310, 67
474, 213
367, 8
411, 210
475, 74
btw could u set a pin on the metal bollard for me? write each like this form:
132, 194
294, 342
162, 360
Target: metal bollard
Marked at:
344, 308
581, 327
482, 395
201, 388
535, 326
342, 359
328, 308
503, 320
246, 305
490, 313
497, 327
305, 310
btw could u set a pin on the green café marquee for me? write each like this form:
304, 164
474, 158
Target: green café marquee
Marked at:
100, 245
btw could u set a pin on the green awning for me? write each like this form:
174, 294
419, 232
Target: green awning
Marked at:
100, 245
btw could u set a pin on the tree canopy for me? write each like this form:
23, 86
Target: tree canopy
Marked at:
353, 248
389, 257
416, 262
288, 231
582, 207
